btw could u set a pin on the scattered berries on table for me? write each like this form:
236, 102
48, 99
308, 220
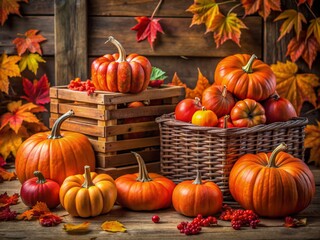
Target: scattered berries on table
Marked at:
155, 218
77, 85
194, 227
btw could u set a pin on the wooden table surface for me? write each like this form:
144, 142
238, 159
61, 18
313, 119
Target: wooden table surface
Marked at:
140, 226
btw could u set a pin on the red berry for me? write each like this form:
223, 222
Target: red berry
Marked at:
155, 218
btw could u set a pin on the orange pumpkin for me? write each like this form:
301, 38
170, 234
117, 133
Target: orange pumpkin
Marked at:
272, 184
191, 198
205, 118
143, 190
246, 77
118, 73
56, 154
89, 194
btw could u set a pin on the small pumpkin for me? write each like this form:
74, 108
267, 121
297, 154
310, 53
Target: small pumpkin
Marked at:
272, 184
89, 194
205, 118
39, 189
55, 154
246, 77
120, 73
191, 198
144, 191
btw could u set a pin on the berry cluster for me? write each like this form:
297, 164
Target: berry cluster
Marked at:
239, 217
194, 227
77, 85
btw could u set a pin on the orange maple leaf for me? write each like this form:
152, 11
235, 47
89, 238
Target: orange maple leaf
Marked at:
30, 41
6, 200
7, 7
76, 228
297, 88
7, 176
263, 7
37, 210
113, 226
9, 142
312, 140
8, 68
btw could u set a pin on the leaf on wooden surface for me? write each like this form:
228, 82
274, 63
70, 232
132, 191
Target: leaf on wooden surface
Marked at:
76, 228
31, 61
297, 88
314, 29
293, 19
9, 7
263, 7
6, 200
113, 226
312, 141
30, 41
7, 215
8, 68
49, 220
38, 91
7, 176
37, 210
310, 2
291, 222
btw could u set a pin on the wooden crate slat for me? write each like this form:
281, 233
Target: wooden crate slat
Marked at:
140, 111
132, 144
132, 128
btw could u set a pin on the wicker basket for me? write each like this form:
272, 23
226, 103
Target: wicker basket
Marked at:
186, 148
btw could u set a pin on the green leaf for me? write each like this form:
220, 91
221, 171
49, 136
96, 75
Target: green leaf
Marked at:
31, 61
157, 74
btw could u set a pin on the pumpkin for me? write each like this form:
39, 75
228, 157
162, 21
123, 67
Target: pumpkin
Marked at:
218, 99
39, 189
89, 194
246, 77
247, 113
120, 73
272, 184
191, 198
143, 190
205, 118
55, 154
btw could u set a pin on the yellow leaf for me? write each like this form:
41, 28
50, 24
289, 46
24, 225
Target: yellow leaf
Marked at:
312, 140
8, 68
31, 61
9, 142
76, 228
314, 28
113, 226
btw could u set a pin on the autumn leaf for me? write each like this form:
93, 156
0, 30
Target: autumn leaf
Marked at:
263, 7
8, 68
7, 176
294, 20
9, 7
312, 140
291, 222
31, 61
314, 28
49, 220
38, 91
37, 210
7, 215
9, 142
113, 226
76, 228
6, 200
310, 2
30, 41
297, 88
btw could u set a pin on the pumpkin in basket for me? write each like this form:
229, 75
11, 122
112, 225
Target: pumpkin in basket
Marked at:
143, 190
56, 154
120, 73
89, 194
272, 184
246, 77
191, 198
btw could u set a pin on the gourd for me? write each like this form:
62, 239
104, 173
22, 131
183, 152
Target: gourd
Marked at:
120, 73
89, 194
56, 154
205, 118
272, 184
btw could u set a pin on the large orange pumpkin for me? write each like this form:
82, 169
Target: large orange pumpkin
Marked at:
118, 73
246, 77
56, 154
143, 190
272, 184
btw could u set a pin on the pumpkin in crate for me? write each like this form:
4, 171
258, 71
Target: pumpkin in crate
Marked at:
56, 154
89, 194
272, 184
120, 73
191, 198
144, 191
246, 77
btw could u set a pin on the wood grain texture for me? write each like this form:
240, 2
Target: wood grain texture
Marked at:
37, 7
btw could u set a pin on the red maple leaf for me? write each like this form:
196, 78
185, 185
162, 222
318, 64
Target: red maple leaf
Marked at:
38, 91
6, 200
263, 7
30, 41
310, 2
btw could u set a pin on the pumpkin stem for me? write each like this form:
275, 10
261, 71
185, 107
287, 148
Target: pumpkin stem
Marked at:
248, 67
225, 121
198, 179
275, 96
143, 173
122, 52
272, 160
39, 175
87, 178
197, 101
224, 91
55, 132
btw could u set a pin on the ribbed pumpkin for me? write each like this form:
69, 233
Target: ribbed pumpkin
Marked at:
89, 194
56, 154
143, 190
246, 77
272, 184
118, 73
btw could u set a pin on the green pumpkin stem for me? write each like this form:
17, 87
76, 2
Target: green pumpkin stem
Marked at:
122, 52
272, 160
87, 178
143, 172
55, 132
198, 179
39, 175
248, 67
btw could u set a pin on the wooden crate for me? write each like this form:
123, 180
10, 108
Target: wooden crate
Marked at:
102, 116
